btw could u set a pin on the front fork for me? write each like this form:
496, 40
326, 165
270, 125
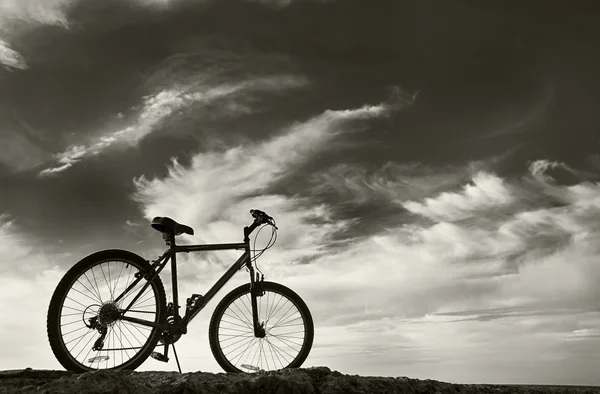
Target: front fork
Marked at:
256, 290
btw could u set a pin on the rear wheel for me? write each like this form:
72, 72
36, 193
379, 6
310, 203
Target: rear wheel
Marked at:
83, 324
288, 325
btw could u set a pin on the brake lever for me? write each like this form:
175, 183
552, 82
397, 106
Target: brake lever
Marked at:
269, 222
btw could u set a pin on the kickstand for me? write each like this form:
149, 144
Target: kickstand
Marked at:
176, 358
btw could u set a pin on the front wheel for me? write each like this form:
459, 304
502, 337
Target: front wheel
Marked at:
287, 322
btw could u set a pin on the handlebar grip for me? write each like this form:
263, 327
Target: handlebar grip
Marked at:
258, 214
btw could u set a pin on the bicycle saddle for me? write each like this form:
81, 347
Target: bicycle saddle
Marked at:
170, 226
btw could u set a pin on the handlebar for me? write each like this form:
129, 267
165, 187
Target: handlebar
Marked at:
261, 217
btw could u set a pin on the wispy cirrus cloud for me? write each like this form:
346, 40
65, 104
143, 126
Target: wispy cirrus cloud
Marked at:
214, 193
216, 180
11, 58
487, 191
157, 108
48, 12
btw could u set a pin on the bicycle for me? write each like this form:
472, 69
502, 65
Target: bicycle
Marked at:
103, 315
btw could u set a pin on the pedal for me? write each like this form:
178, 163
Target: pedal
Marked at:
160, 357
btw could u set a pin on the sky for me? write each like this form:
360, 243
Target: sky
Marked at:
433, 168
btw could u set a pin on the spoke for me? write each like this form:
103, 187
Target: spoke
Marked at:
96, 291
235, 337
285, 314
77, 329
287, 336
73, 322
245, 307
254, 357
85, 287
244, 338
112, 297
68, 307
77, 302
144, 306
117, 282
128, 341
108, 339
274, 351
88, 342
272, 311
237, 325
96, 282
128, 277
233, 329
287, 342
262, 347
70, 314
250, 344
249, 303
144, 300
267, 313
245, 321
75, 339
287, 320
250, 339
280, 308
138, 328
127, 328
283, 351
106, 280
288, 333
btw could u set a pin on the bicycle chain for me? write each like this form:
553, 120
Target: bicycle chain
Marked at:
123, 348
141, 311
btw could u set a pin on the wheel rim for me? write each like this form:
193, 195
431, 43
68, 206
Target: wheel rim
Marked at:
285, 329
91, 295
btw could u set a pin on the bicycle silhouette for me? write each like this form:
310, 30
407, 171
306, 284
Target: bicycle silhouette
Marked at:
92, 325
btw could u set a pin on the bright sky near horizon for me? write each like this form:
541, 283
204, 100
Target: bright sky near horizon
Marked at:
433, 167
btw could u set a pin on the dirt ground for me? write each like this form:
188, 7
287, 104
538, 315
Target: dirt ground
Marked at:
318, 380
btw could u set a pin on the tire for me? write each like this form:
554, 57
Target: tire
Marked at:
243, 293
87, 268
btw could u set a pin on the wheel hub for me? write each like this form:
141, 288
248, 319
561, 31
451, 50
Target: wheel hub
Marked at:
108, 314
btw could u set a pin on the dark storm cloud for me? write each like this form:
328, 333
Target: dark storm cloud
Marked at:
476, 65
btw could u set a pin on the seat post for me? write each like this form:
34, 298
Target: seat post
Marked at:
169, 239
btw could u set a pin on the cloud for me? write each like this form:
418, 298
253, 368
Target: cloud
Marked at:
158, 107
11, 58
433, 289
355, 184
487, 191
216, 180
48, 12
28, 278
423, 272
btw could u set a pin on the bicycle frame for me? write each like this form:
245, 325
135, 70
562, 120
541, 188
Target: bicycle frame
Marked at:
171, 254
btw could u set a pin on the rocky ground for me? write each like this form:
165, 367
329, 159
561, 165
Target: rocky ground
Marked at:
319, 380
